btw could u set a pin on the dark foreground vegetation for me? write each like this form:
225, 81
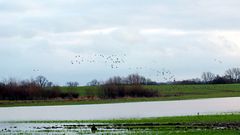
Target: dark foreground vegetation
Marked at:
120, 91
35, 89
41, 89
130, 86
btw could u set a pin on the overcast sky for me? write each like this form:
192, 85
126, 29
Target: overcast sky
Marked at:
186, 37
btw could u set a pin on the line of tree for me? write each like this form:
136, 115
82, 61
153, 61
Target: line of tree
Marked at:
129, 80
130, 86
230, 76
35, 89
114, 87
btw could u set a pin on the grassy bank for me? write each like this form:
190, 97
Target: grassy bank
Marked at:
167, 92
216, 118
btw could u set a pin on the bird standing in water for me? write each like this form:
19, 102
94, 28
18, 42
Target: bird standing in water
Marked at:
93, 129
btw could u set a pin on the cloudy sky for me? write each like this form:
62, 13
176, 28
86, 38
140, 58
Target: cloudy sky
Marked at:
42, 37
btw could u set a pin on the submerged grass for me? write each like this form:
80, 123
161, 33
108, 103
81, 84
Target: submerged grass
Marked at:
136, 132
181, 125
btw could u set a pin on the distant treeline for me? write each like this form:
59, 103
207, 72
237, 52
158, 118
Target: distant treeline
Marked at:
230, 76
42, 89
114, 87
35, 89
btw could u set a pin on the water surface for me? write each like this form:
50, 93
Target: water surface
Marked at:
121, 110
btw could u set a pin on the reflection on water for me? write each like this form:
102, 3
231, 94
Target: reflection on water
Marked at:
122, 110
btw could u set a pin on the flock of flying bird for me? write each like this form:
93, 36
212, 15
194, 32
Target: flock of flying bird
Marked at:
116, 61
113, 61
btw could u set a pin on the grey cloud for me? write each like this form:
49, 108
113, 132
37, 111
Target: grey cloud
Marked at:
30, 30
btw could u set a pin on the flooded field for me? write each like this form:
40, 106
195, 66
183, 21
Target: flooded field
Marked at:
56, 128
109, 128
122, 110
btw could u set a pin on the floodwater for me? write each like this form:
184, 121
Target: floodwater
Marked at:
76, 128
56, 128
122, 110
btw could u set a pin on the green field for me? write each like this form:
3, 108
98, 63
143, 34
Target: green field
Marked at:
88, 95
180, 125
218, 90
217, 118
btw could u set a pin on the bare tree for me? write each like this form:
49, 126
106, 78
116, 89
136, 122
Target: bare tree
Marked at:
233, 74
94, 82
208, 77
114, 80
49, 84
41, 81
12, 82
72, 84
136, 79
